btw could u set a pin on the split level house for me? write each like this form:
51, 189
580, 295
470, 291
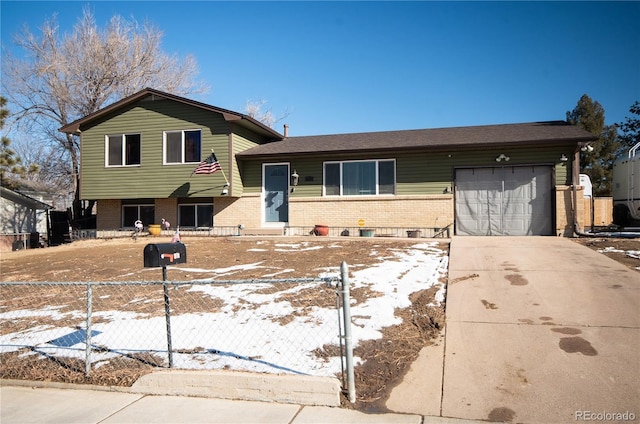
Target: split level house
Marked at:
138, 156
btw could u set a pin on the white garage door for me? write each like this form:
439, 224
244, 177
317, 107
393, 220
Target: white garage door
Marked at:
509, 200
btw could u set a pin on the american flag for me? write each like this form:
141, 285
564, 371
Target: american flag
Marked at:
208, 166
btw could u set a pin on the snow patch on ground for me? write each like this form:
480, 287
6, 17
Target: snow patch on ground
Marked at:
256, 328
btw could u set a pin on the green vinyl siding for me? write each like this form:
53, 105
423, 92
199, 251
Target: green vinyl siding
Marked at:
152, 179
432, 173
251, 176
417, 173
242, 140
548, 155
310, 180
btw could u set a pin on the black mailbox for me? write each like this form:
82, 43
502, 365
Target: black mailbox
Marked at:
163, 254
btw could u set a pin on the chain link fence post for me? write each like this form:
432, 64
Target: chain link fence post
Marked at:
346, 307
87, 358
167, 314
340, 336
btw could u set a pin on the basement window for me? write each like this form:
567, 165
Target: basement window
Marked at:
195, 215
133, 212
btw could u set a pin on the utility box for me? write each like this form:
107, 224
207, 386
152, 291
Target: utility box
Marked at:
163, 254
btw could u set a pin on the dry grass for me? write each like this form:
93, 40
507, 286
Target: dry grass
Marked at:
386, 360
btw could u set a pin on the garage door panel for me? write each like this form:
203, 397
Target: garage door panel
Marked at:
477, 190
473, 219
516, 209
504, 201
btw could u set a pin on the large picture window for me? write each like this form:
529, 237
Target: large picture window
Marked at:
182, 146
122, 149
360, 178
195, 215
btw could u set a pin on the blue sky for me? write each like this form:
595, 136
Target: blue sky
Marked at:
341, 67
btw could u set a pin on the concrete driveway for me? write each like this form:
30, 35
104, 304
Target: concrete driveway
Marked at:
539, 330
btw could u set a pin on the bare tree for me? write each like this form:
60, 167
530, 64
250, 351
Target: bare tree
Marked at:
53, 171
63, 77
255, 110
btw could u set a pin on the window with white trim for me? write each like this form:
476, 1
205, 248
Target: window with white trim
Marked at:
360, 178
122, 149
182, 146
197, 215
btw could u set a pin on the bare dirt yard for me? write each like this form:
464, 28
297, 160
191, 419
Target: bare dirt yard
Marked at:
623, 250
384, 361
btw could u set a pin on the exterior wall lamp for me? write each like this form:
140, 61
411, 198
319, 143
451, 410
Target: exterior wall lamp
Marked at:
295, 178
564, 158
502, 157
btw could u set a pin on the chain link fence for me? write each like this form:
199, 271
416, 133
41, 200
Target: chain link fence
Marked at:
275, 326
225, 231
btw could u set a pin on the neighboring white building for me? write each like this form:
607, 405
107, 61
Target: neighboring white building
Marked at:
21, 216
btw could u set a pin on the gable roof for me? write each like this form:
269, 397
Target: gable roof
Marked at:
229, 115
551, 132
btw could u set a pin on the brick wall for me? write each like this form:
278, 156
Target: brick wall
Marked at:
396, 211
108, 214
167, 209
380, 211
232, 211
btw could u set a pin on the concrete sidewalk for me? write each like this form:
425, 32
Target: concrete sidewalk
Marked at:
47, 405
539, 330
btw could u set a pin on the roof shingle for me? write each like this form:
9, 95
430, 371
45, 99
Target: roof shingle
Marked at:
487, 135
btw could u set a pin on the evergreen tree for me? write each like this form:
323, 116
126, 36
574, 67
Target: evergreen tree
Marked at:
598, 163
631, 127
10, 162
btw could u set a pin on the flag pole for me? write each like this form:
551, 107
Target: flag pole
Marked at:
222, 170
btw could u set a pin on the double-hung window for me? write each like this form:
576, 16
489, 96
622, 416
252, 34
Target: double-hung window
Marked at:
182, 146
360, 178
122, 149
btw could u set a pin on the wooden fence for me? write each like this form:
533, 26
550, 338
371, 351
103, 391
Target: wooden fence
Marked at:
597, 211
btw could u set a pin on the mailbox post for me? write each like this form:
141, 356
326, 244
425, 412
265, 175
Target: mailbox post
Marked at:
161, 255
